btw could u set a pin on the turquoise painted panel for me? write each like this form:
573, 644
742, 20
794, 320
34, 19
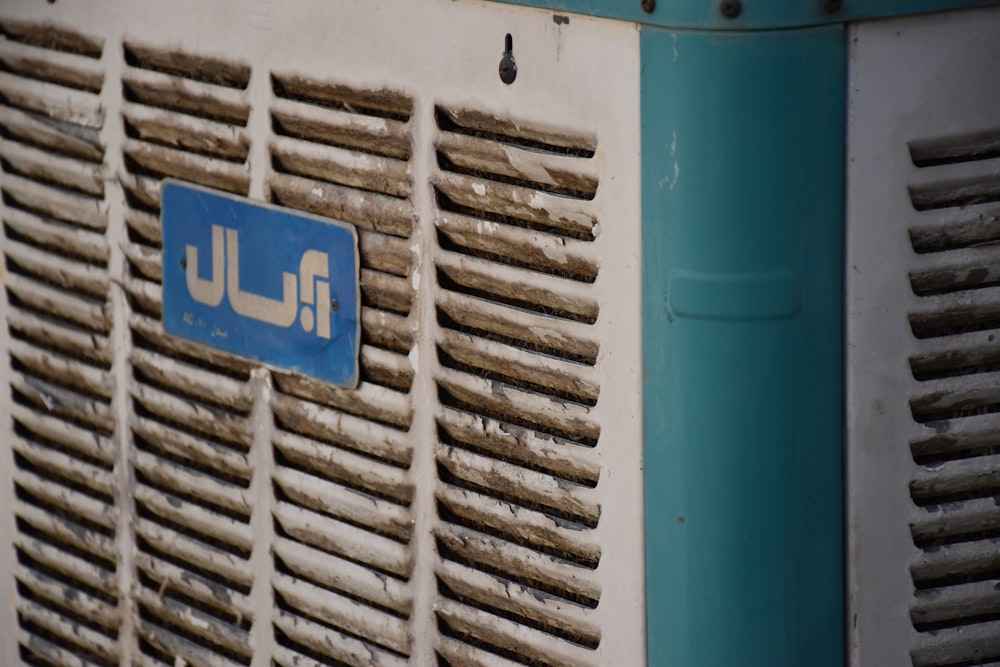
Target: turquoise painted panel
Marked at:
754, 14
743, 161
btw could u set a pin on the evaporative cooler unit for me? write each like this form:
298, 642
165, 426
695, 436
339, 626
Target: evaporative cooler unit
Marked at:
450, 333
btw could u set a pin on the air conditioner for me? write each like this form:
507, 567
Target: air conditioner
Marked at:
454, 332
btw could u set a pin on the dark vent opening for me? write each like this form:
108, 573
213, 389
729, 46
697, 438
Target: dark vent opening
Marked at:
925, 410
462, 635
148, 616
143, 413
449, 323
52, 345
284, 640
339, 399
927, 538
294, 424
135, 203
60, 251
578, 638
284, 166
26, 529
57, 477
955, 320
956, 363
207, 540
202, 106
145, 546
379, 103
11, 200
48, 36
950, 150
580, 272
343, 479
180, 139
73, 134
93, 298
281, 496
285, 606
44, 634
281, 568
562, 191
138, 237
956, 622
54, 406
452, 401
956, 194
943, 448
143, 444
350, 138
146, 343
50, 179
40, 69
927, 495
979, 230
448, 361
579, 560
954, 279
204, 401
67, 580
77, 388
67, 611
511, 456
446, 204
567, 519
198, 68
446, 282
520, 577
478, 128
24, 432
152, 651
281, 533
165, 591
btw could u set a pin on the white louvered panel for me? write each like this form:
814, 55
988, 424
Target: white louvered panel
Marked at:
342, 455
516, 230
924, 317
183, 116
54, 224
453, 508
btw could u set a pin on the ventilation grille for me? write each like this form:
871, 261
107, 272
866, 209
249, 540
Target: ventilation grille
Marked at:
184, 117
59, 321
343, 518
517, 350
957, 279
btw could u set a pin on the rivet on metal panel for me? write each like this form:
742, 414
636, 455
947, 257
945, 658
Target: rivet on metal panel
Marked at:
334, 305
832, 6
184, 262
649, 6
731, 8
508, 68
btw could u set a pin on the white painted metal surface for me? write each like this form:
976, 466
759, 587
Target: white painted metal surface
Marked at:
923, 226
477, 500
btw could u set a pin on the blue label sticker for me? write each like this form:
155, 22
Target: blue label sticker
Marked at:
261, 281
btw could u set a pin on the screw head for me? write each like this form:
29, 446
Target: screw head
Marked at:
649, 6
731, 8
832, 6
508, 69
184, 262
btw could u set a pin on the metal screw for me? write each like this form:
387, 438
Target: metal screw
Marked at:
731, 8
508, 68
335, 305
832, 6
184, 262
649, 6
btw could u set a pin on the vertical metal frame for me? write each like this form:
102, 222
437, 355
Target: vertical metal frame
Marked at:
743, 157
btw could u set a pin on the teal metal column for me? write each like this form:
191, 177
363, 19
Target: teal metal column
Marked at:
743, 161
